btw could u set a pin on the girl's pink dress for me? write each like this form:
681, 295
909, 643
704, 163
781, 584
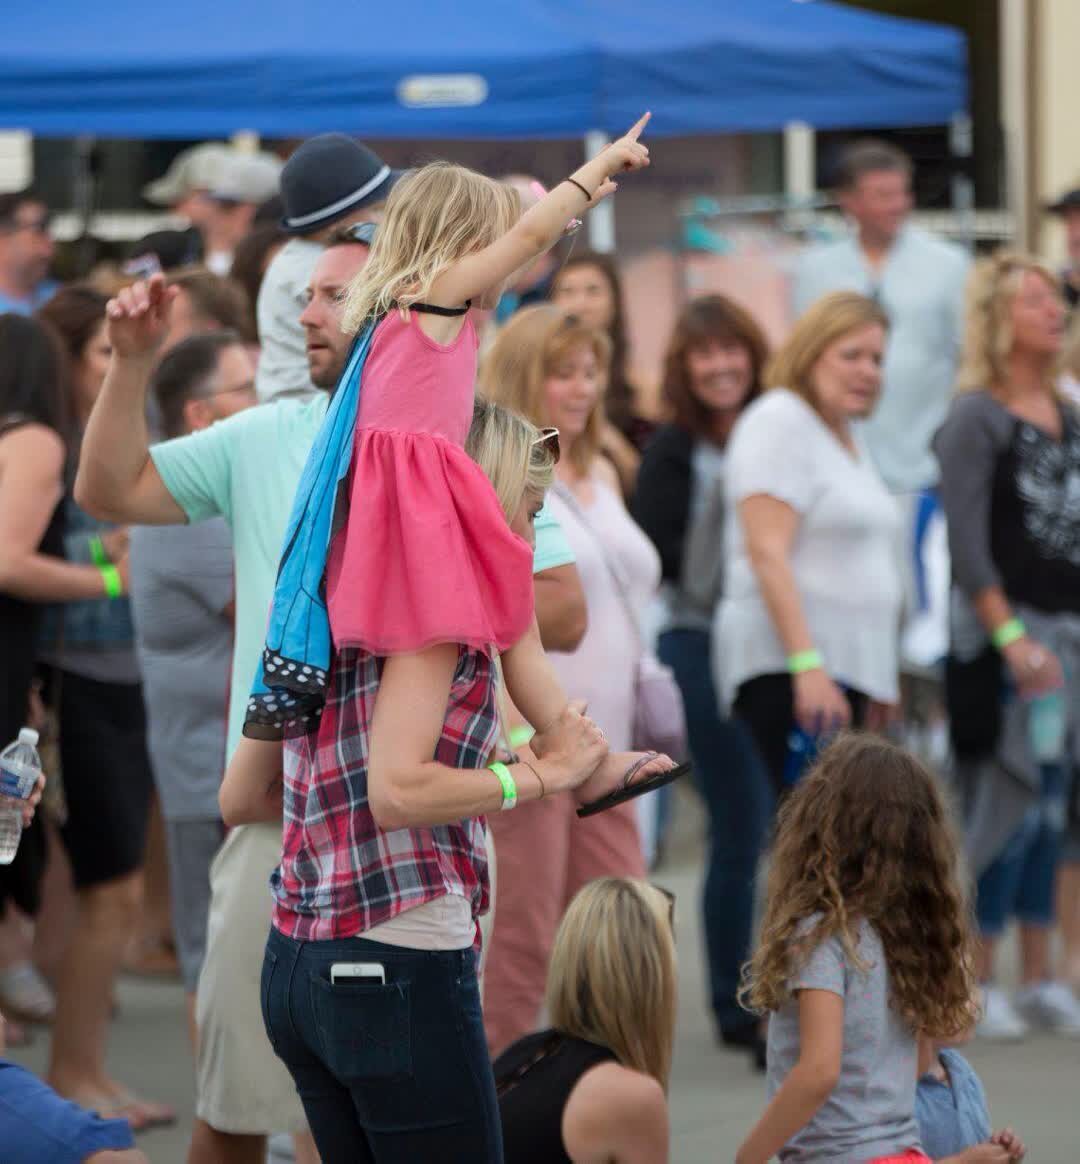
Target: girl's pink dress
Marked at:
425, 554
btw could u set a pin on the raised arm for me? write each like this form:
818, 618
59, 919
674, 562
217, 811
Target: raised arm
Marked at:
542, 225
117, 480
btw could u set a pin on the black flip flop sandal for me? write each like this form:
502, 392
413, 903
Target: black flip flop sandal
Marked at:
631, 791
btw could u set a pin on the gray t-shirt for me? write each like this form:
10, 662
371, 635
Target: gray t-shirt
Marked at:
181, 583
871, 1111
283, 365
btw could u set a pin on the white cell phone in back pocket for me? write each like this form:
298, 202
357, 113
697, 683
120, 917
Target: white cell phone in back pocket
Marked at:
369, 972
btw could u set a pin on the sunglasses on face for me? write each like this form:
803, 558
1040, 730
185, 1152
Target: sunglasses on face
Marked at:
38, 225
550, 438
359, 232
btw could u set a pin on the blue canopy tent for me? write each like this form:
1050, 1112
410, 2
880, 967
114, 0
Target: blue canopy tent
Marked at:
478, 69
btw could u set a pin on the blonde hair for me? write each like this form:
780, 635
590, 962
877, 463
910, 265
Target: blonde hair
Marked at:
991, 289
434, 216
827, 320
612, 977
526, 352
509, 450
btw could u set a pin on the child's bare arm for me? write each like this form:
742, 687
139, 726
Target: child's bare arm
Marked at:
533, 685
810, 1081
542, 225
254, 783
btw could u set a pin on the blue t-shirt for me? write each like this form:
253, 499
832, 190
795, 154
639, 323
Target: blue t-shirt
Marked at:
38, 1127
42, 293
952, 1116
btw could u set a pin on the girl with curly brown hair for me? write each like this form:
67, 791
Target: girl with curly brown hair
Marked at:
866, 944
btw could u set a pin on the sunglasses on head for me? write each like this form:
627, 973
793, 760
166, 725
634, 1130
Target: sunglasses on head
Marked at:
550, 438
671, 904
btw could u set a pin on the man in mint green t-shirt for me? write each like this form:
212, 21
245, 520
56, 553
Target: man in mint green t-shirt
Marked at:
246, 469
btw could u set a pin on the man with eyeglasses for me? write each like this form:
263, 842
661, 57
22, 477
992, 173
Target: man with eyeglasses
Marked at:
183, 634
26, 250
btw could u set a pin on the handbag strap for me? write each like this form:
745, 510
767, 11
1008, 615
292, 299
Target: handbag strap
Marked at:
566, 494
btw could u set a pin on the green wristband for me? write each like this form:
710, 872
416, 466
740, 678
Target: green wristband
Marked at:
521, 735
803, 661
97, 553
1008, 633
114, 586
509, 788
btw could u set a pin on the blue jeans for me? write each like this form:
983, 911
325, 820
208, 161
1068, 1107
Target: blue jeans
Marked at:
1020, 882
388, 1074
734, 785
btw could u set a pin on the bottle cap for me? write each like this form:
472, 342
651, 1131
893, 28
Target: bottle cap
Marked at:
29, 736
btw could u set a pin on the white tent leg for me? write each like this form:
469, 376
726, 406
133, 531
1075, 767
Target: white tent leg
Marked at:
601, 221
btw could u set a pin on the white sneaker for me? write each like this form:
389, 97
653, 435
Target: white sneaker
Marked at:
1052, 1006
999, 1021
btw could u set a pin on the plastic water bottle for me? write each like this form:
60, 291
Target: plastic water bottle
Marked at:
1046, 726
802, 750
20, 767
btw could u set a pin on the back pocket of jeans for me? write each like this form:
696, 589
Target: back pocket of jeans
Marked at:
365, 1031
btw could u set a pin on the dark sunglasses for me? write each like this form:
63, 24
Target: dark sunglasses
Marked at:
40, 225
358, 232
550, 438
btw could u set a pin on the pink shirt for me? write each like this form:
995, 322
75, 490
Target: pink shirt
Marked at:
413, 384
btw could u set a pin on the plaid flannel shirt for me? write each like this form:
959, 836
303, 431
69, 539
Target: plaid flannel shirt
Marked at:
340, 874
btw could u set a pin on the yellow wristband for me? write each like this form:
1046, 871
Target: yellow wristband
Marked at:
1008, 633
509, 788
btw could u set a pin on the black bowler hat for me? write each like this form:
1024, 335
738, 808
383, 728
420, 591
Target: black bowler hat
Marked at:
1070, 200
328, 177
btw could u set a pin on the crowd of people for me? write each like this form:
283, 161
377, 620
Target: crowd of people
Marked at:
342, 558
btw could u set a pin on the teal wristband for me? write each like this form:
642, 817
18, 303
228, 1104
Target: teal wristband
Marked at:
1008, 633
114, 586
509, 788
97, 553
803, 661
521, 735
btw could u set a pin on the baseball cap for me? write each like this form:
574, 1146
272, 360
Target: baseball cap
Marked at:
328, 177
245, 178
196, 168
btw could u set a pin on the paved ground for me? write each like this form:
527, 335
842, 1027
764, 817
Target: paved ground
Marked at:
715, 1097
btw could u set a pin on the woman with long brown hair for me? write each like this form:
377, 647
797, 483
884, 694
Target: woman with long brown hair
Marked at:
1010, 455
807, 626
866, 945
589, 287
712, 371
593, 1086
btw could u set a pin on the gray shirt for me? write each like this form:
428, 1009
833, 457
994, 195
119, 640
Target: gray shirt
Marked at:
283, 366
181, 583
920, 286
871, 1111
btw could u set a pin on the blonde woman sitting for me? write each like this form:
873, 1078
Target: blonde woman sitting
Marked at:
593, 1088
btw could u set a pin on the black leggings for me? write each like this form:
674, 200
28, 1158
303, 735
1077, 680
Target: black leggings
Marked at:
766, 704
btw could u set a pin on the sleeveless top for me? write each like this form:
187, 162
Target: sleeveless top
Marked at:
425, 554
534, 1078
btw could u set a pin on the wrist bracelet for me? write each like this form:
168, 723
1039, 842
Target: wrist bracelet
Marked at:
114, 586
98, 554
1008, 633
543, 790
521, 735
803, 661
509, 788
575, 182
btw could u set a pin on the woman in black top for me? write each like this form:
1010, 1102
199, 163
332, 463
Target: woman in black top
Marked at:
712, 371
593, 1087
588, 287
1010, 484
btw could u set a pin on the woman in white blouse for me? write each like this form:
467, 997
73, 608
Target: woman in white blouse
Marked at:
806, 638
